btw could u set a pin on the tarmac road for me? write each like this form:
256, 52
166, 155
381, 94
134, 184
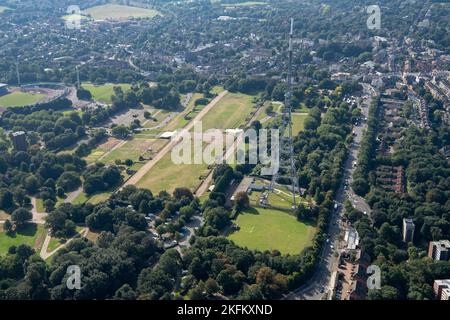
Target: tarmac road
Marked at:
319, 284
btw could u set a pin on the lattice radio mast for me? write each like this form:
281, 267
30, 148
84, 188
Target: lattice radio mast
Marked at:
286, 145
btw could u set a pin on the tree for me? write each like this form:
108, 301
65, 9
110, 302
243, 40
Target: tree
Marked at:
242, 201
6, 200
211, 286
8, 226
83, 94
125, 292
121, 132
69, 181
360, 186
21, 216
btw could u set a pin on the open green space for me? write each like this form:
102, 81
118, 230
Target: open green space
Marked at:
104, 92
298, 122
28, 235
229, 113
133, 149
102, 150
119, 12
166, 175
55, 242
269, 229
19, 99
93, 199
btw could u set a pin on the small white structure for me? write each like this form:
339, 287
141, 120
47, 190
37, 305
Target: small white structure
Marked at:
167, 134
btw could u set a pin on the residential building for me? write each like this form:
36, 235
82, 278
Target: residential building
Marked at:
439, 250
441, 289
3, 89
408, 230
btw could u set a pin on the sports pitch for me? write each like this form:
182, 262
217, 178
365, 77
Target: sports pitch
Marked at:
20, 99
230, 112
119, 12
166, 175
269, 229
133, 149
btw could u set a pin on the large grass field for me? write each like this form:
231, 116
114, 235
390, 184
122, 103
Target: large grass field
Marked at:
31, 235
229, 113
134, 148
269, 229
119, 12
20, 99
166, 175
104, 92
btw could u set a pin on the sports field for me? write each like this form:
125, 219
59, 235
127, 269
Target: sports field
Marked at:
119, 12
19, 99
133, 149
104, 92
166, 175
31, 235
269, 229
229, 113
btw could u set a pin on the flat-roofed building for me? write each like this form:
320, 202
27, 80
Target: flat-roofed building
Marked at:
408, 230
439, 250
3, 89
441, 289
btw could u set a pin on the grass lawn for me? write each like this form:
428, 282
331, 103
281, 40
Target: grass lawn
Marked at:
134, 148
269, 229
80, 199
31, 235
19, 99
166, 175
101, 150
56, 242
104, 92
99, 197
119, 12
94, 199
229, 113
298, 123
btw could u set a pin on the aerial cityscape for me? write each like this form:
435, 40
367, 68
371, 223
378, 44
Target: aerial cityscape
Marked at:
224, 150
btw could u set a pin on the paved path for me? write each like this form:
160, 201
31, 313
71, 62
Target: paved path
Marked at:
45, 255
174, 141
73, 195
38, 217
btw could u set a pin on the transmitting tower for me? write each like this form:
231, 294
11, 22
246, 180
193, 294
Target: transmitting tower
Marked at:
287, 164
